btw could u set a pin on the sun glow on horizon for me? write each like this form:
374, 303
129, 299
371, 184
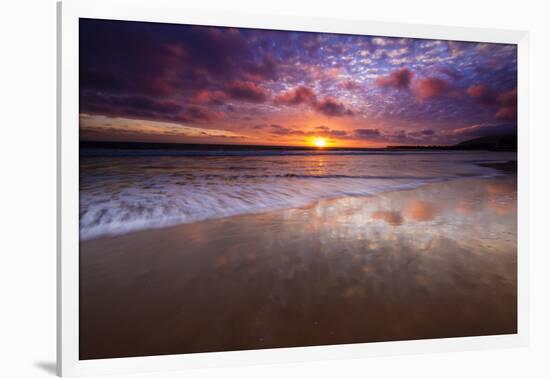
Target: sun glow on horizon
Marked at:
320, 142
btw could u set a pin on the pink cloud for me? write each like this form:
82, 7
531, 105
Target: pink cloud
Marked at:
507, 113
508, 105
430, 87
206, 96
246, 91
482, 94
400, 79
332, 108
350, 85
296, 96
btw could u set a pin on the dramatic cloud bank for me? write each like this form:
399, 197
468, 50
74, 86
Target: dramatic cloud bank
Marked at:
178, 83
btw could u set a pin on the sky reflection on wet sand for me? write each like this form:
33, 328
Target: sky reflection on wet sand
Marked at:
436, 261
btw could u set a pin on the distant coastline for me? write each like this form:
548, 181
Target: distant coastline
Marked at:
489, 143
501, 143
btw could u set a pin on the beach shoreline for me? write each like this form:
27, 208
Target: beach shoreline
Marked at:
125, 194
338, 271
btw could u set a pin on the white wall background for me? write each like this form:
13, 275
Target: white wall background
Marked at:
28, 168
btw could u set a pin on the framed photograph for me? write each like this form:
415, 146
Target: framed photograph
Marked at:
243, 188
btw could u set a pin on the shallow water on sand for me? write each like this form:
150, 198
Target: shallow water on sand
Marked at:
120, 194
435, 261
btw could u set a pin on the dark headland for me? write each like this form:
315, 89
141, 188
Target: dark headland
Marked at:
488, 143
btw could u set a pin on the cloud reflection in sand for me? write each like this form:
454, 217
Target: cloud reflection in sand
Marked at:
421, 210
393, 218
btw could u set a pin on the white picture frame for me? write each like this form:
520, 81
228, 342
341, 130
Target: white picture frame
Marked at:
171, 11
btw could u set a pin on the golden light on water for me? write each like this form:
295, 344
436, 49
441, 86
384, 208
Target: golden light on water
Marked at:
320, 142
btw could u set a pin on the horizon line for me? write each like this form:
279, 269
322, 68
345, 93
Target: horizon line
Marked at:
260, 145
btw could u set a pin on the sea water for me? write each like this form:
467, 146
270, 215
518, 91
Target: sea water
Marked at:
125, 190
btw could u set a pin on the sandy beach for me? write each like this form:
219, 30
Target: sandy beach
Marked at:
431, 262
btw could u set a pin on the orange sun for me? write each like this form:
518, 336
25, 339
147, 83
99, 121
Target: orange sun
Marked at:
320, 142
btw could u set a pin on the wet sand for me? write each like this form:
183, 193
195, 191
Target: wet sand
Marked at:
437, 261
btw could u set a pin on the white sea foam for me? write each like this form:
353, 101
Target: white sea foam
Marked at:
124, 194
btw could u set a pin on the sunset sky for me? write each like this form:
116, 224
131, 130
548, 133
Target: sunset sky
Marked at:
189, 84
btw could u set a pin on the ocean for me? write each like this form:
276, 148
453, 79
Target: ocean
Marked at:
130, 189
